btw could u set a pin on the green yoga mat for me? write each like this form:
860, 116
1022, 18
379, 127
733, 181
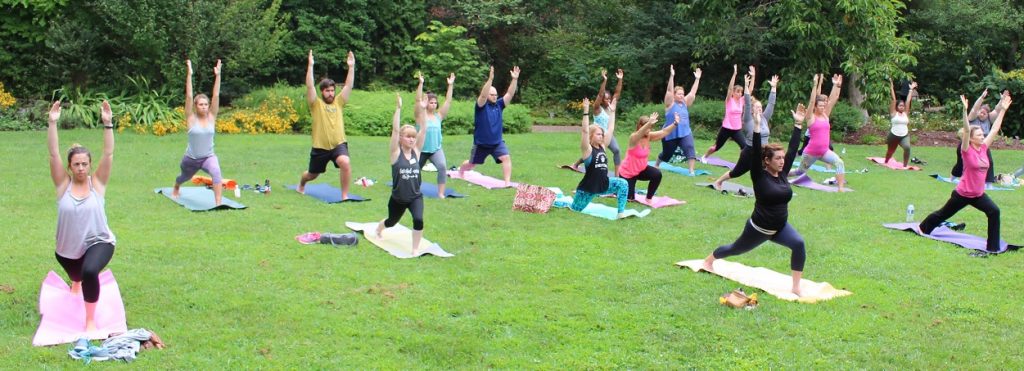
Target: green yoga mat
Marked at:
199, 199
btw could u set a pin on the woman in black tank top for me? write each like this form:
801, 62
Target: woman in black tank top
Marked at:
595, 181
406, 147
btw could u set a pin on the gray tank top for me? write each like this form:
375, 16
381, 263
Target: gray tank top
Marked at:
81, 223
405, 175
200, 141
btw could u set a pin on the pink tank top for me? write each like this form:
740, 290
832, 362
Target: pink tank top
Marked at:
733, 114
820, 132
636, 160
976, 165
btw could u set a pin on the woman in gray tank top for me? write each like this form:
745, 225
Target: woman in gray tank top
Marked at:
406, 147
201, 117
85, 243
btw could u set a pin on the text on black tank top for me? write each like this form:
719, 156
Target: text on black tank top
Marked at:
595, 180
405, 176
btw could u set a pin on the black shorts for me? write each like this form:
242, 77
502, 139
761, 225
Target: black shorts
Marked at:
318, 158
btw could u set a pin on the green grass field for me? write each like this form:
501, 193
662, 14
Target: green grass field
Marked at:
233, 290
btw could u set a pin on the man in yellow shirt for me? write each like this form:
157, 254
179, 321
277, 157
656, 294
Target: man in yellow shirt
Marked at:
329, 144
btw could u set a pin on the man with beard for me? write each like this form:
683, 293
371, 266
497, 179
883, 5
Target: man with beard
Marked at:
329, 144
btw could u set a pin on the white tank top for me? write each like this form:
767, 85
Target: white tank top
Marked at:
899, 124
81, 223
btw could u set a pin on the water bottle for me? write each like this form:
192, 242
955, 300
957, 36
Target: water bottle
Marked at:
266, 187
844, 150
910, 213
238, 191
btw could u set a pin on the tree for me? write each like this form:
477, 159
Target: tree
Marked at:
442, 50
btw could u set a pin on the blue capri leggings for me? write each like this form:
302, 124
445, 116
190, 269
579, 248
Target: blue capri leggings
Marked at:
617, 186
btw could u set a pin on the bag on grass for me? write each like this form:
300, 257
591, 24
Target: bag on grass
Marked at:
533, 199
738, 299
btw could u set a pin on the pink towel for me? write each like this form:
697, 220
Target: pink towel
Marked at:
63, 313
480, 179
892, 164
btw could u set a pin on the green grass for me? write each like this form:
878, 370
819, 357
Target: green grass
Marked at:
232, 289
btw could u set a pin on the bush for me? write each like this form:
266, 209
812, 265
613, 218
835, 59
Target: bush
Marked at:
846, 119
705, 116
296, 98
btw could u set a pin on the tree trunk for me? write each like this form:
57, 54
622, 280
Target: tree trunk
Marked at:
857, 97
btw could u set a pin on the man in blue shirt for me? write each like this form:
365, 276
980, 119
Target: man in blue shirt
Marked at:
487, 127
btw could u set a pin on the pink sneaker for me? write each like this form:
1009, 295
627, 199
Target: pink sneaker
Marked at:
308, 238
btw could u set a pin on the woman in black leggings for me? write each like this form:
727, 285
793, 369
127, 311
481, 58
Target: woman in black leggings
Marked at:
772, 193
85, 243
406, 147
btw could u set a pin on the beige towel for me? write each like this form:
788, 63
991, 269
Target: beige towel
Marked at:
397, 240
772, 282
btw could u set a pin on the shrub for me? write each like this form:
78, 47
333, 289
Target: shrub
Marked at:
845, 118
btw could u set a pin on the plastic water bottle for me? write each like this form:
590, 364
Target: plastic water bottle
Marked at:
238, 192
910, 213
844, 150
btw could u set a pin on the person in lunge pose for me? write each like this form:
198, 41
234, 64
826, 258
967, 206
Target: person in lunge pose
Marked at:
753, 114
85, 243
732, 122
601, 118
201, 118
595, 182
899, 132
676, 102
329, 143
432, 146
635, 167
487, 127
406, 153
821, 130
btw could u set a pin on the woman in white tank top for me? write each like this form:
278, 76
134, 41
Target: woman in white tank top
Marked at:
899, 131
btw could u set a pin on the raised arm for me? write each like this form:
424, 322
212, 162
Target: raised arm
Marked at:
665, 131
693, 89
815, 87
512, 86
420, 115
769, 109
910, 97
643, 131
732, 81
833, 96
585, 133
608, 136
486, 89
215, 100
396, 132
748, 114
965, 135
892, 99
600, 91
977, 106
618, 84
310, 84
188, 90
57, 172
794, 139
419, 89
350, 78
102, 174
1004, 105
443, 111
669, 91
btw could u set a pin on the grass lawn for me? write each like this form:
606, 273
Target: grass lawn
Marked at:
232, 289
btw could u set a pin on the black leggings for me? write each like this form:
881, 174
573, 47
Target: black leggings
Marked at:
751, 238
397, 208
957, 202
87, 269
742, 165
650, 173
726, 134
958, 168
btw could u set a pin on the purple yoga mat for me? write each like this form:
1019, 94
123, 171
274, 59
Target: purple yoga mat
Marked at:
480, 179
944, 234
805, 181
715, 161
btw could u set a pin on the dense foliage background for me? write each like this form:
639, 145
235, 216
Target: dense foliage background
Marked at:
93, 49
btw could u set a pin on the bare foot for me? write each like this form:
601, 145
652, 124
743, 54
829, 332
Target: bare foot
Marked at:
441, 196
718, 185
622, 216
709, 264
508, 184
90, 326
301, 188
380, 229
796, 290
344, 196
176, 192
76, 288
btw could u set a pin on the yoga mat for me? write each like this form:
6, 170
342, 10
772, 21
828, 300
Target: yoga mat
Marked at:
730, 187
430, 190
327, 193
480, 179
815, 167
892, 164
570, 168
679, 170
63, 313
774, 283
199, 199
397, 241
599, 210
805, 181
988, 186
944, 234
715, 161
656, 202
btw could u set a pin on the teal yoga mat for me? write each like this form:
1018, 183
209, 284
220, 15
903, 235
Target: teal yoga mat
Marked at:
199, 199
680, 170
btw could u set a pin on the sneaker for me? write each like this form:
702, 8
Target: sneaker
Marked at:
81, 345
703, 160
336, 239
980, 254
308, 238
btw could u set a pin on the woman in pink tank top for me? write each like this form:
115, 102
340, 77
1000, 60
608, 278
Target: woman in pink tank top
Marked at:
821, 130
732, 123
635, 166
971, 189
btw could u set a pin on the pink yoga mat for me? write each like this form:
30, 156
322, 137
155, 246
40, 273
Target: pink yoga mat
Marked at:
480, 179
63, 313
715, 161
658, 202
892, 164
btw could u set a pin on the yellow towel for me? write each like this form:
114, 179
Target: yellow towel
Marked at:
772, 282
397, 240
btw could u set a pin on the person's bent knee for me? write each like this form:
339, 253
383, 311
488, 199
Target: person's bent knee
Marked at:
417, 224
390, 223
342, 162
505, 159
840, 166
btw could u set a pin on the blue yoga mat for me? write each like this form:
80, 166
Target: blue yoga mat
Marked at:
199, 199
599, 210
430, 190
815, 167
988, 186
679, 170
327, 193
